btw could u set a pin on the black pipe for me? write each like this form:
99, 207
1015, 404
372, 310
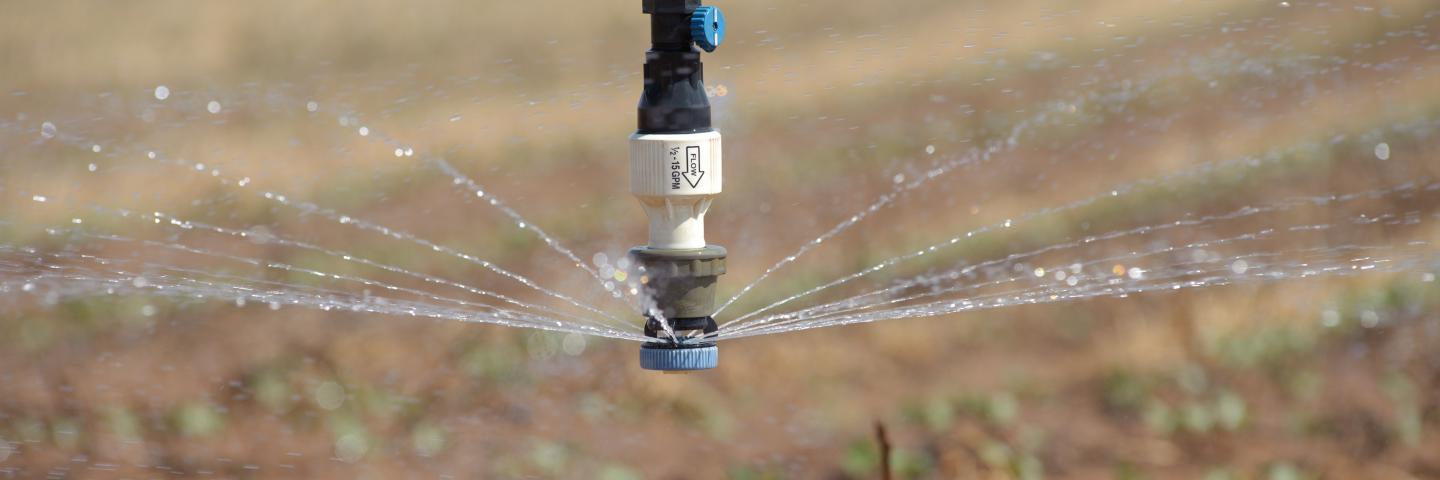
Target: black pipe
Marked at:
674, 101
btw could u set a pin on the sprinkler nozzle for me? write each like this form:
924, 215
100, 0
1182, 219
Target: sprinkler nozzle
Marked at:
680, 354
682, 283
677, 348
679, 359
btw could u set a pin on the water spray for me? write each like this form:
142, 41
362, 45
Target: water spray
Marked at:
675, 171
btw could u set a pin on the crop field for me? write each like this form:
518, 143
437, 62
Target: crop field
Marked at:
1006, 114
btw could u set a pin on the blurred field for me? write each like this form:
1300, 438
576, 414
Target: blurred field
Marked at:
1320, 378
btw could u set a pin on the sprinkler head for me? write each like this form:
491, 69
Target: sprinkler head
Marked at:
675, 172
682, 283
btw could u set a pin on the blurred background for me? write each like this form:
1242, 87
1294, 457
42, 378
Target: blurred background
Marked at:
123, 122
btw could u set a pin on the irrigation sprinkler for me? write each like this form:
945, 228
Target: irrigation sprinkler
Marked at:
675, 171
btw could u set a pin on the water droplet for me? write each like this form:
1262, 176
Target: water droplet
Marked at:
47, 130
1072, 281
1427, 278
199, 167
1239, 267
92, 167
274, 306
929, 149
76, 221
1369, 319
899, 178
1136, 273
139, 282
1039, 272
312, 106
259, 235
1330, 318
28, 287
39, 198
399, 152
573, 344
364, 131
455, 118
1007, 223
351, 448
600, 259
96, 148
1382, 151
213, 107
148, 310
151, 155
409, 152
162, 92
329, 395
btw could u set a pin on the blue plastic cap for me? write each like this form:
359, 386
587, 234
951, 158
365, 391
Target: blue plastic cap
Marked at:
707, 27
679, 359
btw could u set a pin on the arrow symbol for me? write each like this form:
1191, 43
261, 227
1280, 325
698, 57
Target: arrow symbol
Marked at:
692, 172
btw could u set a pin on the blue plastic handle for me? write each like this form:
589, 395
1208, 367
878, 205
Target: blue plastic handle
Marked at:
707, 27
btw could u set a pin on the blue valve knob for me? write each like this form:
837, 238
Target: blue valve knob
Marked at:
707, 27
